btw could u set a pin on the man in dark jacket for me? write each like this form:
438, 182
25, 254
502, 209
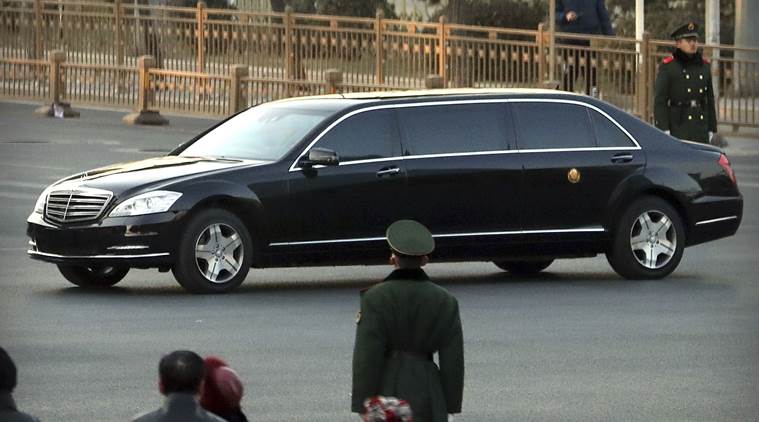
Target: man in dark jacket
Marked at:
683, 98
402, 323
581, 17
8, 378
181, 375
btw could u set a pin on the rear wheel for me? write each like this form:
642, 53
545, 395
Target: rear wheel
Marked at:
523, 267
214, 253
648, 241
93, 277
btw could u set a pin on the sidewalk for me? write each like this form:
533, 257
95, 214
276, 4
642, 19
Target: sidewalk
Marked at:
745, 142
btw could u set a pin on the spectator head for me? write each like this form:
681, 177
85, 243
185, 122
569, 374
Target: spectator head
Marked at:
410, 242
386, 409
7, 372
222, 388
181, 372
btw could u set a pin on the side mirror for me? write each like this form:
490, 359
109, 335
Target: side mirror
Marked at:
320, 156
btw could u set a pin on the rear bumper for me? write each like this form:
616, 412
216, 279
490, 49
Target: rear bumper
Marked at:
142, 241
714, 218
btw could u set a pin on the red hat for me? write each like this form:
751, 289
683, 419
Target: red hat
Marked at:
223, 389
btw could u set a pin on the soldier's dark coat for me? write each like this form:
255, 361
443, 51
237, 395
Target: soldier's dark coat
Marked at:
403, 322
683, 100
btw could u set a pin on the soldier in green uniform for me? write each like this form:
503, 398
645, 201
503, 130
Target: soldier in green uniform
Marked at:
684, 101
402, 323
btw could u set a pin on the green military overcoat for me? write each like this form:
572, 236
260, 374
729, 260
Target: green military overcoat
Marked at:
403, 321
683, 99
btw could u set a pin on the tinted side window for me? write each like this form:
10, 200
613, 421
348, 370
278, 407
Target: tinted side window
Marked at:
364, 136
455, 128
607, 133
553, 125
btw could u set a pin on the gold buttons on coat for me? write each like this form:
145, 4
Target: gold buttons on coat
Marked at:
690, 117
687, 76
700, 76
702, 117
700, 91
688, 89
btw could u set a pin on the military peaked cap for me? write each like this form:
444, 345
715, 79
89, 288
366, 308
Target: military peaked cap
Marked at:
409, 237
690, 29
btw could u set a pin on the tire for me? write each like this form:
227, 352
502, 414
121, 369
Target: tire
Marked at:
93, 277
648, 241
214, 253
523, 267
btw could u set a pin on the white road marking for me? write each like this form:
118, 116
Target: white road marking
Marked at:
6, 164
747, 185
40, 186
16, 195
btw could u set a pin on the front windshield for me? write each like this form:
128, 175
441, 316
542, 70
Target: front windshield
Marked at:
265, 132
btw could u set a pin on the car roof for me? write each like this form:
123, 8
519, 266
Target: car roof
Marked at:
431, 94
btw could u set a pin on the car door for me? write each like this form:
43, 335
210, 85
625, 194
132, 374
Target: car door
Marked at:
574, 158
354, 202
464, 176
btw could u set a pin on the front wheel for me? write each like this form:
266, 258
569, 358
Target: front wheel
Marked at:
523, 267
214, 253
93, 277
648, 241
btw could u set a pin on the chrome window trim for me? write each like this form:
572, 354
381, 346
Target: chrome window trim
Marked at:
717, 220
294, 167
52, 255
500, 233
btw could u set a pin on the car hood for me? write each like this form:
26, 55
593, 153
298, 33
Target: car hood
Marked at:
121, 177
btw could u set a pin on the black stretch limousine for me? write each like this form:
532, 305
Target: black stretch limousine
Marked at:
517, 177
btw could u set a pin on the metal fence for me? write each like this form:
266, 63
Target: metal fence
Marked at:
288, 54
24, 79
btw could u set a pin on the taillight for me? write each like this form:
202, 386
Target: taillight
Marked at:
725, 164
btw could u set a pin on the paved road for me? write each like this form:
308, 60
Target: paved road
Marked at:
576, 343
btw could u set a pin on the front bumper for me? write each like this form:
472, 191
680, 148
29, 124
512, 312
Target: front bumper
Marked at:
141, 241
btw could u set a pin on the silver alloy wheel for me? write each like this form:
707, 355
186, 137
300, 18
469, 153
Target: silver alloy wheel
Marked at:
653, 239
219, 253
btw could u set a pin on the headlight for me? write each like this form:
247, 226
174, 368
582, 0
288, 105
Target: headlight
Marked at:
39, 207
147, 203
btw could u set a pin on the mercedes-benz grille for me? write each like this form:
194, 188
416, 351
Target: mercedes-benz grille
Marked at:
66, 206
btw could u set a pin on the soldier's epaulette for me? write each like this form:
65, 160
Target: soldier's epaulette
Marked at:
667, 59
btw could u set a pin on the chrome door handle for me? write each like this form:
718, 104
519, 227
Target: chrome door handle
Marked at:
388, 171
621, 158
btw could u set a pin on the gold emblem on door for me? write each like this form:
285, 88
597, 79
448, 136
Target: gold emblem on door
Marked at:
573, 176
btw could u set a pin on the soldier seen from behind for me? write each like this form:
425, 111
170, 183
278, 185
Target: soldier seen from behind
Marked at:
402, 323
683, 100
